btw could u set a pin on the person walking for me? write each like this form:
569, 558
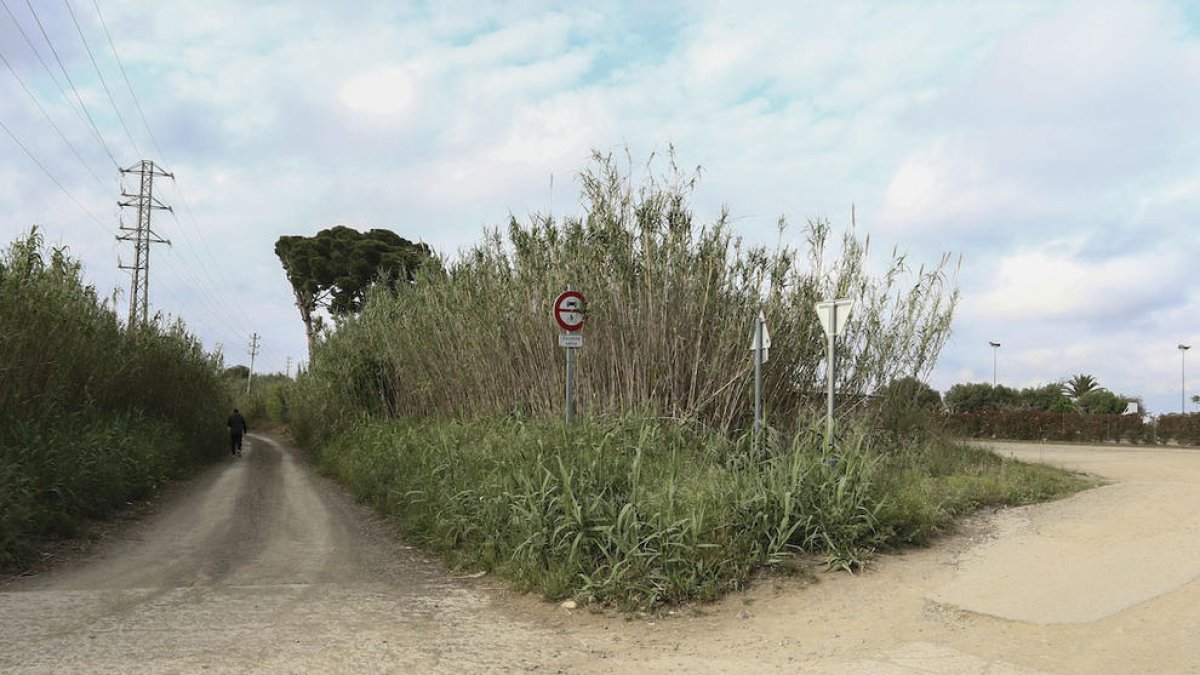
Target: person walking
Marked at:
237, 429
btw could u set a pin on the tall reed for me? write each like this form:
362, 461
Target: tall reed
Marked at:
92, 413
671, 304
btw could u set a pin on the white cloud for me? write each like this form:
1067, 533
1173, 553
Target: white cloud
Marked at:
1052, 143
1055, 281
948, 187
383, 91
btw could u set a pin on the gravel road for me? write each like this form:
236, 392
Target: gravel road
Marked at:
260, 565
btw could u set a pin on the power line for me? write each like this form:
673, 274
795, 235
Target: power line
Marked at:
51, 177
217, 301
187, 208
45, 66
88, 114
61, 135
100, 75
220, 309
231, 310
129, 85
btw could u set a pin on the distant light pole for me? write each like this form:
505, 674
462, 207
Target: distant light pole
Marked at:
1182, 382
995, 348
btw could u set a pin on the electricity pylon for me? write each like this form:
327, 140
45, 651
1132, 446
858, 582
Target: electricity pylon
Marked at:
254, 338
142, 236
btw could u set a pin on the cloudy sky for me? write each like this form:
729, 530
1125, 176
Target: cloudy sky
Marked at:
1055, 145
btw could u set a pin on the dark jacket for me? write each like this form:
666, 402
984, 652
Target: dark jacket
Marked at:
237, 423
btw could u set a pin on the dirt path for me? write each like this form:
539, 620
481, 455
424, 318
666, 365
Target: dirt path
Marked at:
260, 565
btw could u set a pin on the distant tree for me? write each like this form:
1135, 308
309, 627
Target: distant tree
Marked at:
237, 372
911, 391
1048, 397
333, 269
1079, 385
1101, 402
977, 396
903, 407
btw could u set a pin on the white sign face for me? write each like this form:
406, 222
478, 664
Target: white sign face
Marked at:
834, 314
766, 337
570, 341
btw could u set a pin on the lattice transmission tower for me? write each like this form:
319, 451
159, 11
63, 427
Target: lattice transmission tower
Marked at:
142, 236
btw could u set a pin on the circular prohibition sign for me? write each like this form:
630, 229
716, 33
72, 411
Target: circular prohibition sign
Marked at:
570, 310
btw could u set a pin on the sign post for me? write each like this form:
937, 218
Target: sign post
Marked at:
833, 315
570, 311
760, 344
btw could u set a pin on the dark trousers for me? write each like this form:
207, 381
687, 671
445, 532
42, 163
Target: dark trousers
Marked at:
235, 441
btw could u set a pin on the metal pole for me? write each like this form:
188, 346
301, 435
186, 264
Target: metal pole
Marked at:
758, 363
830, 374
570, 377
1182, 381
570, 384
995, 348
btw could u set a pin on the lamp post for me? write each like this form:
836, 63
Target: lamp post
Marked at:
995, 348
1182, 382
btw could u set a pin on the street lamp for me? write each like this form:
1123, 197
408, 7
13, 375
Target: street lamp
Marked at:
995, 348
1182, 382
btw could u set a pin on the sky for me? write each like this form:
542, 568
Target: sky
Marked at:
1055, 146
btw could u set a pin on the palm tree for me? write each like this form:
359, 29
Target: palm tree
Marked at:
1079, 385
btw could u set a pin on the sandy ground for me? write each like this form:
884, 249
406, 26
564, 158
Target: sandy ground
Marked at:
260, 565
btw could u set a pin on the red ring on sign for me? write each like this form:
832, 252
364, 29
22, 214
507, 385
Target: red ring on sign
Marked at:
560, 310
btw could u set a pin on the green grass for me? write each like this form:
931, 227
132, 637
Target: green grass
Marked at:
636, 512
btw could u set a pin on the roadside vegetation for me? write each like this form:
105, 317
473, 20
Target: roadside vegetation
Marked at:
637, 512
264, 403
1077, 409
93, 414
439, 403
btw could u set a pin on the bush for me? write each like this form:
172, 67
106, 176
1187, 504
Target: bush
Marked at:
1034, 425
1183, 429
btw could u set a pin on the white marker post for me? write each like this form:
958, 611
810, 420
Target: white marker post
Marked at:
760, 344
570, 312
833, 315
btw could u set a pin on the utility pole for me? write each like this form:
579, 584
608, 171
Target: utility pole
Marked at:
995, 348
1182, 380
288, 372
253, 352
142, 236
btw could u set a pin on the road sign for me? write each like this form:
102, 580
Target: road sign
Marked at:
834, 314
570, 341
570, 310
761, 325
